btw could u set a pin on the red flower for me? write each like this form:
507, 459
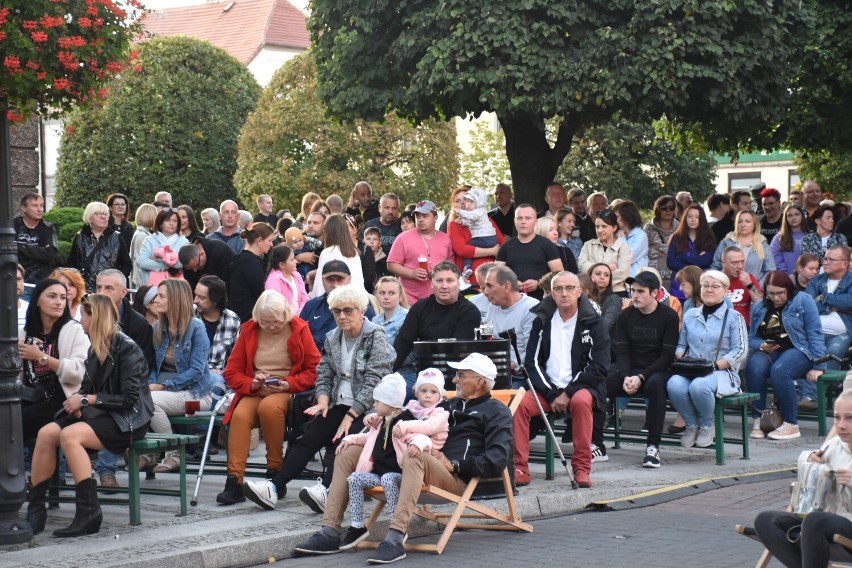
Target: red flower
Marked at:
84, 22
51, 22
2, 36
61, 84
14, 116
70, 129
41, 75
69, 42
12, 62
4, 13
39, 37
29, 24
33, 64
92, 10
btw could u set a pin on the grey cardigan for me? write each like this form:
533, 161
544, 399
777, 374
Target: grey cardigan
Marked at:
374, 358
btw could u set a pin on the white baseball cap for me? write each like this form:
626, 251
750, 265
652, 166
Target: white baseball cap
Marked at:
479, 364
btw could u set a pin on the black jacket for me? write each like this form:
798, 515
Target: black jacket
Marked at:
112, 254
36, 249
123, 392
139, 330
480, 436
219, 256
245, 284
126, 230
590, 352
371, 212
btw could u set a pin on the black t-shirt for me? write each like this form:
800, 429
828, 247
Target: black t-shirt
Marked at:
210, 327
271, 219
769, 230
389, 232
723, 226
428, 320
384, 454
505, 223
529, 260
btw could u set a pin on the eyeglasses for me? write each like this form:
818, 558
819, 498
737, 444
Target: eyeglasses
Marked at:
714, 287
780, 294
826, 260
606, 214
345, 311
101, 214
169, 210
462, 377
564, 289
668, 208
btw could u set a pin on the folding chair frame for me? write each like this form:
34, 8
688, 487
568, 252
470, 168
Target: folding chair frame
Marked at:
511, 521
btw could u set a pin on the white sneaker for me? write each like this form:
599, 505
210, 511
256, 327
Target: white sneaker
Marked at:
315, 496
261, 492
786, 431
757, 432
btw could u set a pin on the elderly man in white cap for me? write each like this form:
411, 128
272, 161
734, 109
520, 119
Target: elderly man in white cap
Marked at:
415, 253
479, 443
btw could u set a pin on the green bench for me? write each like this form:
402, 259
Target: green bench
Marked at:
824, 384
151, 443
737, 404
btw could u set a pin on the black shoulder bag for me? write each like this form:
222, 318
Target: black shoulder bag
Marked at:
692, 367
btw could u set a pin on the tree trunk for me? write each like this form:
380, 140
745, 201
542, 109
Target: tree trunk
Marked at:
531, 159
12, 483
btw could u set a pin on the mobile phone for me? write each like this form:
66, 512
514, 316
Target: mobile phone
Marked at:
272, 381
770, 341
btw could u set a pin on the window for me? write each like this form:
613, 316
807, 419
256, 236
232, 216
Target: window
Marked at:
742, 181
793, 181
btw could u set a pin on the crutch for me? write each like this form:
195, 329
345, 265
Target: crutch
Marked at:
522, 372
213, 416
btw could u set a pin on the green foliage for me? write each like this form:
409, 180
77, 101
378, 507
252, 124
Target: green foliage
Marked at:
289, 146
63, 249
529, 60
67, 231
61, 216
820, 114
171, 123
832, 171
633, 161
485, 165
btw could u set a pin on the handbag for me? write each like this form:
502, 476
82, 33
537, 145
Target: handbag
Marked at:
817, 490
692, 367
771, 419
32, 395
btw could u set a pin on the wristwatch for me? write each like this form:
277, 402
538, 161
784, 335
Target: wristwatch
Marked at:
43, 360
456, 466
750, 285
84, 401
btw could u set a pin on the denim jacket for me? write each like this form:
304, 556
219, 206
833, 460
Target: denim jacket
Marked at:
191, 352
392, 325
698, 338
839, 301
801, 321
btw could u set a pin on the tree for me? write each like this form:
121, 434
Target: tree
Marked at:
485, 165
170, 123
635, 161
530, 60
833, 171
289, 146
820, 116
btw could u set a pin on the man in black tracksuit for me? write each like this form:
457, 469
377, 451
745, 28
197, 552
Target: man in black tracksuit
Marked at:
568, 356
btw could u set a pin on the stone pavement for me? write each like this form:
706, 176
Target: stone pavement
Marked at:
215, 536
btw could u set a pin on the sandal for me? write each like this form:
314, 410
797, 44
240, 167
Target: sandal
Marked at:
144, 462
168, 465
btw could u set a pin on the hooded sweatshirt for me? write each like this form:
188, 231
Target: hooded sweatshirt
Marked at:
477, 220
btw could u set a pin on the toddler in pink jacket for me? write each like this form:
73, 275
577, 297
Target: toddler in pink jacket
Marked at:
394, 431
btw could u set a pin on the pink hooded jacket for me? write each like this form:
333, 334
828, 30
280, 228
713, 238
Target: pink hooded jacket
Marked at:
428, 433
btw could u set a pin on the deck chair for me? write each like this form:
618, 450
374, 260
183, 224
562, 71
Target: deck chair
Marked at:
431, 495
766, 556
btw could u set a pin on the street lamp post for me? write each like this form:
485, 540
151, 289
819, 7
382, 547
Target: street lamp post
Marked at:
13, 530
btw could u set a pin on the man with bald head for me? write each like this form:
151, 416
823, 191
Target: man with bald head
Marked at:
567, 358
361, 202
229, 232
811, 198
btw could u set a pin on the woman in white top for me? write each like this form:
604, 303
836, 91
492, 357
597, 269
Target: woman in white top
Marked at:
146, 216
338, 246
608, 249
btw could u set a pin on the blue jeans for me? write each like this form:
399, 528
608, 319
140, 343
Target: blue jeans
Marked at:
781, 368
479, 242
107, 463
834, 345
694, 399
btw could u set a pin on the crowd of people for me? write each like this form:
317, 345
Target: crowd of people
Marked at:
602, 304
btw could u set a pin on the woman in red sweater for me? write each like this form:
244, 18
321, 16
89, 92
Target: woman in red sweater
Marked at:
460, 236
264, 374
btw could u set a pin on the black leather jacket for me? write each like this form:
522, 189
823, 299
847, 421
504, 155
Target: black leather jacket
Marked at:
480, 436
124, 390
112, 254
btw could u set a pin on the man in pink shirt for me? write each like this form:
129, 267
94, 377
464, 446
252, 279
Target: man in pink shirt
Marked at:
416, 252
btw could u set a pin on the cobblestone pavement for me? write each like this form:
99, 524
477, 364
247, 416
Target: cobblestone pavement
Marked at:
690, 531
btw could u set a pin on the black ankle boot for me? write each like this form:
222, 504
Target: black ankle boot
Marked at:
88, 516
233, 492
36, 509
